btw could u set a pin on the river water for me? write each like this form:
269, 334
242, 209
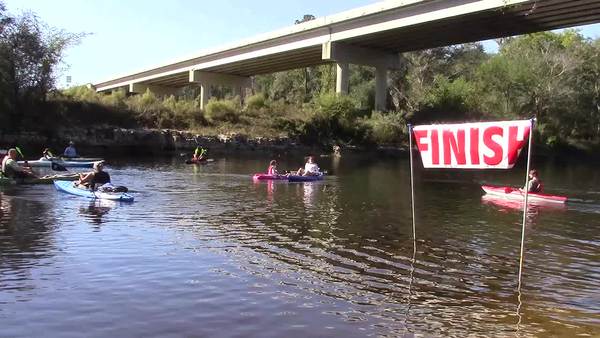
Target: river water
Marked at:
206, 252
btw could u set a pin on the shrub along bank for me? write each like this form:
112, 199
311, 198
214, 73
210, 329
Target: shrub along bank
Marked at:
328, 119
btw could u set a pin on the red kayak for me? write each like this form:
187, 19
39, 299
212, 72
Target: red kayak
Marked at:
269, 177
516, 194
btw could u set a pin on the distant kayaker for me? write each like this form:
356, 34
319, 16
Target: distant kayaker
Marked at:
199, 154
70, 151
12, 169
535, 184
47, 154
272, 169
337, 150
95, 178
310, 168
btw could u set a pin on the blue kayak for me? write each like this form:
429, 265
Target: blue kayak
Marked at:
68, 187
297, 178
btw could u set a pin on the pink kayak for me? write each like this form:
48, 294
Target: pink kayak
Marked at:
516, 194
269, 177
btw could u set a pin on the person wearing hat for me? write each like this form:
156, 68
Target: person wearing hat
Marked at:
70, 151
95, 178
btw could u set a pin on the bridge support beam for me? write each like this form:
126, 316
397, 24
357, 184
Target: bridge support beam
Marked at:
380, 88
140, 88
205, 79
342, 78
344, 54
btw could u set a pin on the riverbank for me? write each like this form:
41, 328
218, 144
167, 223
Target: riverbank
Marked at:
123, 141
144, 141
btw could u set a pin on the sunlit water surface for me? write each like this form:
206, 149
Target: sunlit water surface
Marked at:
205, 251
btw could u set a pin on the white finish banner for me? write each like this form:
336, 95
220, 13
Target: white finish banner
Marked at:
481, 145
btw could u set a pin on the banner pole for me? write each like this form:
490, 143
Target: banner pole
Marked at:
412, 187
525, 205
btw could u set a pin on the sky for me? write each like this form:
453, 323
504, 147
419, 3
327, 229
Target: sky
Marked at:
126, 36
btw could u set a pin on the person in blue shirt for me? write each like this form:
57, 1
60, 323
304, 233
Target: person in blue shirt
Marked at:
70, 151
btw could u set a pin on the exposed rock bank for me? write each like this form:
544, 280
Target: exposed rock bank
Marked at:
144, 140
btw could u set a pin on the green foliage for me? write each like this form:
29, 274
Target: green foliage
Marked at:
382, 128
337, 106
256, 102
332, 118
554, 76
29, 55
147, 109
223, 110
447, 100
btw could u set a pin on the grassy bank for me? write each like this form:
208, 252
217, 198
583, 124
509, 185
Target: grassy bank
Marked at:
327, 119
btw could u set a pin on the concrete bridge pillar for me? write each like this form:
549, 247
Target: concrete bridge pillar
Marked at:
342, 78
344, 54
207, 79
205, 94
380, 88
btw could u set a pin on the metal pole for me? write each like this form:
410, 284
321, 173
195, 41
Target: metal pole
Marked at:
412, 186
525, 205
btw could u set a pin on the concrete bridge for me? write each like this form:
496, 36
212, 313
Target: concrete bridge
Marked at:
373, 35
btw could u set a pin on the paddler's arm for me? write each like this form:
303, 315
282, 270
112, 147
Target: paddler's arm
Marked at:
85, 178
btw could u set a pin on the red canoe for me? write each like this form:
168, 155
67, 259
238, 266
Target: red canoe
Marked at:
516, 194
269, 177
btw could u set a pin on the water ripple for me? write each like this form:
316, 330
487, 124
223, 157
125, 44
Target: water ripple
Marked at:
205, 247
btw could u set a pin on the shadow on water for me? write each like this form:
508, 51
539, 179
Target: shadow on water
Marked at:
23, 245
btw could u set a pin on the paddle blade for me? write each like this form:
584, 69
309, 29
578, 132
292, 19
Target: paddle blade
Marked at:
19, 151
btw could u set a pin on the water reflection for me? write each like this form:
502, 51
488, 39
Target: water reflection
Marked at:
18, 236
335, 257
23, 244
534, 208
308, 194
95, 210
511, 205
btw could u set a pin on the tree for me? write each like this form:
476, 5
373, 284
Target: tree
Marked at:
30, 53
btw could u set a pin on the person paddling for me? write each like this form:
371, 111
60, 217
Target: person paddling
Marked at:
95, 178
310, 168
12, 169
272, 169
47, 154
535, 184
199, 154
70, 151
